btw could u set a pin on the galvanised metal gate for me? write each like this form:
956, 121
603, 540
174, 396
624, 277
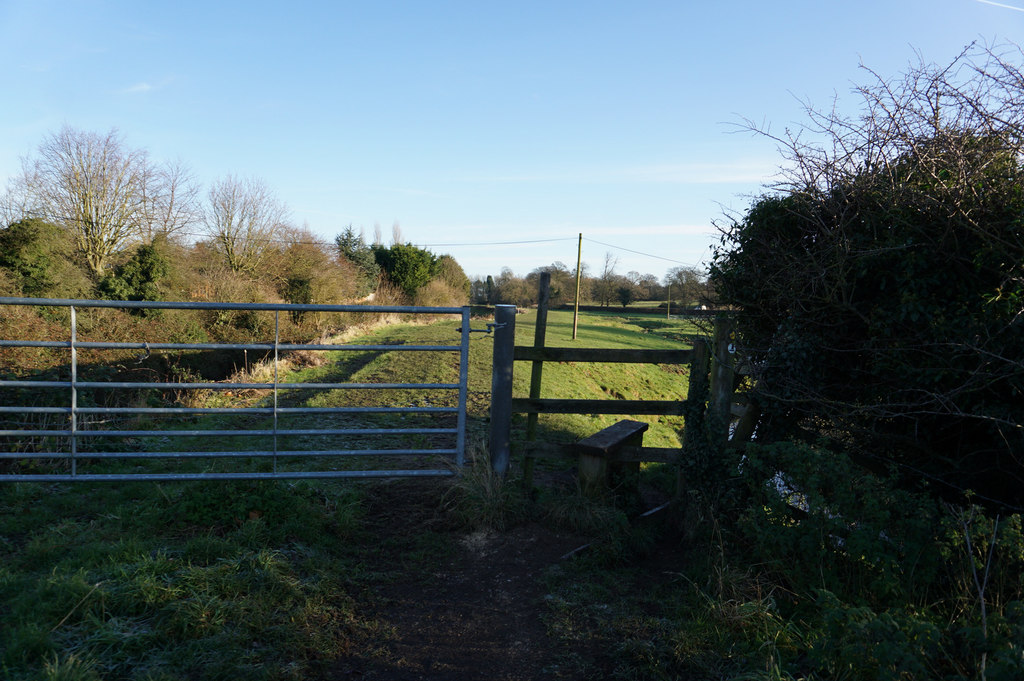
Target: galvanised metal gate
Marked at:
76, 439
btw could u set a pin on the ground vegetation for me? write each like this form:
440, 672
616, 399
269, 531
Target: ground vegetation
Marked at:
480, 578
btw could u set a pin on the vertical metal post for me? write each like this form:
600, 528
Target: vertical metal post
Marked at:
460, 436
74, 393
277, 341
501, 387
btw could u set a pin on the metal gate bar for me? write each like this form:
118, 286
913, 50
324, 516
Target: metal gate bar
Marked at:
75, 432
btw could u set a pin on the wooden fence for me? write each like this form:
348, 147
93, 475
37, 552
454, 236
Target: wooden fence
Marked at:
710, 361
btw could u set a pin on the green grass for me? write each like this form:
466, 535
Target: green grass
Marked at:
231, 580
575, 380
561, 380
277, 580
611, 328
690, 619
182, 581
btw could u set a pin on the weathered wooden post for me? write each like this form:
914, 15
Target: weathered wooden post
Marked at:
722, 376
501, 387
693, 419
709, 422
537, 370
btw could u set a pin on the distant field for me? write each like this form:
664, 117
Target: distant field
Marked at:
614, 328
608, 328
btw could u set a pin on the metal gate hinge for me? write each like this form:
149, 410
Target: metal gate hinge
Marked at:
490, 327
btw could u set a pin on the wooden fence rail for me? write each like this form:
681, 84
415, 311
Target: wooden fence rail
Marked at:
711, 371
610, 355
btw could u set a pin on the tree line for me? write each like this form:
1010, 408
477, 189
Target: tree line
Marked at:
89, 216
686, 287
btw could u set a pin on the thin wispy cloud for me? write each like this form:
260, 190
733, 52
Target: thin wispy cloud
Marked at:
999, 4
37, 67
739, 172
412, 191
524, 236
145, 87
704, 173
137, 89
651, 230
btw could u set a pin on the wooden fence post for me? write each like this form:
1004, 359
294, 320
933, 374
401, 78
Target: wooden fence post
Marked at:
501, 387
693, 419
722, 375
537, 370
710, 420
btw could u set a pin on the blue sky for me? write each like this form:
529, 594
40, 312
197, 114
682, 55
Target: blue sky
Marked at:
471, 122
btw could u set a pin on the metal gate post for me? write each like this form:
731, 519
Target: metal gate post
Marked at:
74, 393
501, 387
460, 437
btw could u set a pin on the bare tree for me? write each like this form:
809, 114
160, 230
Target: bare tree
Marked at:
171, 198
687, 284
512, 290
91, 184
243, 218
652, 290
640, 289
18, 202
562, 282
604, 287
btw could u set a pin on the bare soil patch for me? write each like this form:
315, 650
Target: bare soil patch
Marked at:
455, 604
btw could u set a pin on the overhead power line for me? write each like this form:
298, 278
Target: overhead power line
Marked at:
496, 243
326, 241
629, 250
544, 241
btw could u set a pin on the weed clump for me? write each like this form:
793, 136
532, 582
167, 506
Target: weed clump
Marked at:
480, 499
811, 567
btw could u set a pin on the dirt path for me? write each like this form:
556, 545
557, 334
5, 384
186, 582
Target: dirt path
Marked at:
470, 608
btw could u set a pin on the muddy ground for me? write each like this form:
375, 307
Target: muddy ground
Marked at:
470, 604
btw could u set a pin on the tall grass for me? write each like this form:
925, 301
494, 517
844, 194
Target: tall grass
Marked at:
176, 581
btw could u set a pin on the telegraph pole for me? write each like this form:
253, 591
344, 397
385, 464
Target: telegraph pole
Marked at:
579, 274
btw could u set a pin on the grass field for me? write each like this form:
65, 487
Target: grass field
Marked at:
612, 329
270, 580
